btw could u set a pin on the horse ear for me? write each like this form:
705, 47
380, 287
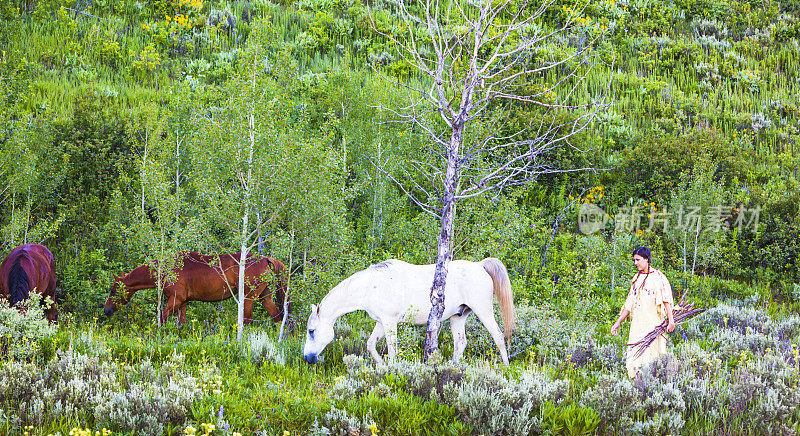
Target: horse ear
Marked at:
314, 310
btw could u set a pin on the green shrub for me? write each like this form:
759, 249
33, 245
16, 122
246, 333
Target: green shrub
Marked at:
120, 397
22, 332
572, 420
402, 413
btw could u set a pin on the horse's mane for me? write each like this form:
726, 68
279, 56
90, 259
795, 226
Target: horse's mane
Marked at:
383, 265
19, 284
343, 288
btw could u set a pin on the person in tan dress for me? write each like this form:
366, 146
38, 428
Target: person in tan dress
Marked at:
649, 301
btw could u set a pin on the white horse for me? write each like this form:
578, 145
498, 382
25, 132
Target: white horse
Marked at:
394, 291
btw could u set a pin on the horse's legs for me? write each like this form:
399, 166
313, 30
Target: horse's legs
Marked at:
272, 309
182, 314
390, 331
171, 307
377, 334
51, 312
458, 328
486, 315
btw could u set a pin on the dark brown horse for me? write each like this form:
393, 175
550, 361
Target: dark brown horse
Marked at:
208, 278
29, 267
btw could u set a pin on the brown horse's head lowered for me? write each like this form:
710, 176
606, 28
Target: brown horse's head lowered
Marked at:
115, 297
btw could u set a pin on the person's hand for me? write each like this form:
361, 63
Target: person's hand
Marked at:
615, 329
671, 326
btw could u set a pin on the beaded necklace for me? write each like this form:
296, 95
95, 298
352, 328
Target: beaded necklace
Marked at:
633, 285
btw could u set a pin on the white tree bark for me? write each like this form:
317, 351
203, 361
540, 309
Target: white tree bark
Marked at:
288, 287
444, 246
245, 237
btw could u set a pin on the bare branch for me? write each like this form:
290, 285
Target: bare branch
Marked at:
472, 64
424, 205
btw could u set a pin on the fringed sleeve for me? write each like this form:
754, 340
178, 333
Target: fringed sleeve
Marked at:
663, 295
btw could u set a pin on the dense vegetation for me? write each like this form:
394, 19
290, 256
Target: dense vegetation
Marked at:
123, 140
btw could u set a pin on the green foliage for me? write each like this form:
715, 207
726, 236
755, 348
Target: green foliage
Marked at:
403, 413
86, 281
23, 330
652, 170
571, 420
122, 133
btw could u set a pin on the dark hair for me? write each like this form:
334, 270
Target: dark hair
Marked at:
642, 251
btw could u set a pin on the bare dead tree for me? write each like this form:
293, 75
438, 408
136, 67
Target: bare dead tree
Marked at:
479, 60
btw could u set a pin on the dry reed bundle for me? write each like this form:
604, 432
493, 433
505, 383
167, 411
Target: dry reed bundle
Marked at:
682, 313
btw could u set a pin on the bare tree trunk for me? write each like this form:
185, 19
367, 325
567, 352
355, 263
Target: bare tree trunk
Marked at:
684, 253
613, 261
261, 242
443, 253
144, 167
28, 217
13, 209
242, 266
288, 284
245, 228
696, 235
177, 163
177, 174
547, 247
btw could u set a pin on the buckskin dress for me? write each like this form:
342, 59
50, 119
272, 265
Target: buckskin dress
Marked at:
645, 302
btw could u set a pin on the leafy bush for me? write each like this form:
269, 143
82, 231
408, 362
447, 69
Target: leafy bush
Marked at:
570, 420
22, 331
480, 397
119, 396
261, 348
616, 401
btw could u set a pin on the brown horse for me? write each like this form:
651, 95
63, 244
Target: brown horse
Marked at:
29, 267
207, 278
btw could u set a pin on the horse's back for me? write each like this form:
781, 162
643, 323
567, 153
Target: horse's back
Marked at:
413, 277
35, 252
28, 267
31, 256
213, 277
402, 287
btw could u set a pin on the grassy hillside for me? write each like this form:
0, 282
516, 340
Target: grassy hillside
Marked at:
122, 125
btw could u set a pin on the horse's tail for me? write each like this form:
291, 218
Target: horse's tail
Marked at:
19, 284
281, 292
502, 289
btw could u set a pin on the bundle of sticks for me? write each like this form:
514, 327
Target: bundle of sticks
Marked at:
681, 313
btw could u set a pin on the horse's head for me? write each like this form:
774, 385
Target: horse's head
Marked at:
51, 314
114, 298
319, 333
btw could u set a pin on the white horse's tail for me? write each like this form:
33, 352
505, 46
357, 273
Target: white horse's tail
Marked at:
502, 289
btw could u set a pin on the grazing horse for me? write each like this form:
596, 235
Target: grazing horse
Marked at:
395, 291
29, 267
207, 278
